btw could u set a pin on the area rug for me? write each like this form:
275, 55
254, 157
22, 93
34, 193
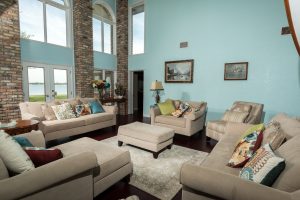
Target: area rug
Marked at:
159, 177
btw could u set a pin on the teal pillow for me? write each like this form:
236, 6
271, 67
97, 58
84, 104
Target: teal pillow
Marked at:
23, 141
96, 107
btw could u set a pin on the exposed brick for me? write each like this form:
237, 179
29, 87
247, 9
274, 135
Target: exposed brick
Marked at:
122, 47
11, 92
83, 47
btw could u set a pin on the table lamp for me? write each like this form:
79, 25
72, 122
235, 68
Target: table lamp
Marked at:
156, 87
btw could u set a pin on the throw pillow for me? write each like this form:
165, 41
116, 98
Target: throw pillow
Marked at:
23, 141
87, 110
273, 135
63, 111
264, 167
233, 116
289, 125
247, 145
96, 107
12, 154
48, 111
183, 108
42, 156
166, 108
238, 107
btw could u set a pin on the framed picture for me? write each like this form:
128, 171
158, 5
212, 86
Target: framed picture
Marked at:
180, 71
236, 71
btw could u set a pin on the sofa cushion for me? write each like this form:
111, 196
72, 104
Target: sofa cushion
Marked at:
264, 167
41, 156
289, 125
63, 111
3, 170
239, 107
232, 116
109, 158
58, 125
289, 180
248, 144
166, 108
171, 120
35, 108
218, 126
96, 118
13, 156
273, 135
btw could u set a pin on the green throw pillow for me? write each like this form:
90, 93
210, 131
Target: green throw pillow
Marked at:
166, 108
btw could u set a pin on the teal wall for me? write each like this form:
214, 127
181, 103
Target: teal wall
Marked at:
219, 32
40, 52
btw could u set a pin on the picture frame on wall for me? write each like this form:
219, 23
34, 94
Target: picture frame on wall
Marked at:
236, 71
180, 71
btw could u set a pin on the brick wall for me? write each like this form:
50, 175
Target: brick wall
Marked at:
122, 47
11, 92
83, 47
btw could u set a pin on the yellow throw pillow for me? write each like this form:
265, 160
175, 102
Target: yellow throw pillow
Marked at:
166, 108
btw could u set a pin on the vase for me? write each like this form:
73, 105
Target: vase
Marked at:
100, 93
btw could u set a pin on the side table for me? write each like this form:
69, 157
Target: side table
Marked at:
22, 126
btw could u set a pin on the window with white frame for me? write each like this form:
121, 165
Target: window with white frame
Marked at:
45, 21
102, 29
137, 29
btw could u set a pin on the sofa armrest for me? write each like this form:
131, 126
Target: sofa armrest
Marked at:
47, 175
36, 138
28, 116
226, 186
110, 109
154, 111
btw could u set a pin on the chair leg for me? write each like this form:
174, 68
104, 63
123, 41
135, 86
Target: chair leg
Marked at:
120, 143
126, 179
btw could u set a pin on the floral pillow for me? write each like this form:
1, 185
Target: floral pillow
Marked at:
63, 111
247, 146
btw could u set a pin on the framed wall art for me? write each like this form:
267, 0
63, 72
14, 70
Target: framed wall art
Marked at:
236, 71
180, 71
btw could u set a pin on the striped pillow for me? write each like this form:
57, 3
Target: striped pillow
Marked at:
233, 116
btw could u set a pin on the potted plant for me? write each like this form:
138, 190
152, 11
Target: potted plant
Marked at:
120, 90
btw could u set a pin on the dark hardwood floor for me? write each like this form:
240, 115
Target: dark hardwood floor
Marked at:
121, 189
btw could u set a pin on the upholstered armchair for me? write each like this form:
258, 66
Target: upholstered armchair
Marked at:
187, 125
241, 112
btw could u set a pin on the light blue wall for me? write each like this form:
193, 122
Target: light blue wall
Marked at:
105, 61
40, 52
220, 32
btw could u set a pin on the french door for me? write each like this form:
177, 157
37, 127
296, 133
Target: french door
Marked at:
47, 82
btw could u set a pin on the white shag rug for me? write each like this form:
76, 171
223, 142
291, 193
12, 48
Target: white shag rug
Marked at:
159, 177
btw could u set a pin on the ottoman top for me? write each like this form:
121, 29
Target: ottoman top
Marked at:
146, 132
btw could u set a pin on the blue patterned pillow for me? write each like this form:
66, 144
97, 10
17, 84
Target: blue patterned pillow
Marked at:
264, 167
96, 107
23, 141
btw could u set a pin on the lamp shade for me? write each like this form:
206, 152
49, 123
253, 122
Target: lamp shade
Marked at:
156, 85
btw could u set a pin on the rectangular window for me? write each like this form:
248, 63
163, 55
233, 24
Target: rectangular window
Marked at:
36, 84
97, 35
31, 20
56, 26
107, 37
138, 29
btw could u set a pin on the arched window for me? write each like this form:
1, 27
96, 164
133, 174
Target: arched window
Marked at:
103, 28
45, 21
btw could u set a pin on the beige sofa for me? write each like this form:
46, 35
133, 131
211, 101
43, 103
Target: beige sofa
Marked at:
215, 129
54, 129
88, 168
187, 125
214, 180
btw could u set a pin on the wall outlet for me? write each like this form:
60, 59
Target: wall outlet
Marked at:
285, 30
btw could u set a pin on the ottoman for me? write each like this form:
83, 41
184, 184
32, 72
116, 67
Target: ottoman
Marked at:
150, 137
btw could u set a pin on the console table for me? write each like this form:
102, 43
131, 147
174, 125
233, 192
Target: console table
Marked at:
118, 101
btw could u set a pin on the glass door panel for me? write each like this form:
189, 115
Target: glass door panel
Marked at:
60, 84
36, 84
